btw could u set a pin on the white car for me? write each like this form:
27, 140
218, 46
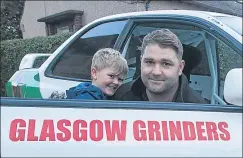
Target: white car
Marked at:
212, 47
105, 128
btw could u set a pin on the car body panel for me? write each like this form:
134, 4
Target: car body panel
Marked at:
26, 83
138, 138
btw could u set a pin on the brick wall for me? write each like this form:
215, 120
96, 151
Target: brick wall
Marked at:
77, 22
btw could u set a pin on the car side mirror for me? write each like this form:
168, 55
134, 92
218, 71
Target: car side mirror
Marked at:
233, 87
33, 60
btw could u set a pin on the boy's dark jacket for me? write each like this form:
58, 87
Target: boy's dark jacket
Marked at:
85, 90
136, 91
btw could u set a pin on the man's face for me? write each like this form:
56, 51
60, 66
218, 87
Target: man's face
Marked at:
160, 68
107, 80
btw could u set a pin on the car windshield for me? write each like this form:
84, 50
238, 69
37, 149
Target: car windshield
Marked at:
233, 22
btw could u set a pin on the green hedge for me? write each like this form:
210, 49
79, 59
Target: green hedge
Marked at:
12, 52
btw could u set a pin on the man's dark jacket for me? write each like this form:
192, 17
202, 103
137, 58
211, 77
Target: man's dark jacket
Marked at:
136, 91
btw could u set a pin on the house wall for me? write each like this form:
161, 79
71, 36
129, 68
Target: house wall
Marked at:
33, 10
92, 10
171, 5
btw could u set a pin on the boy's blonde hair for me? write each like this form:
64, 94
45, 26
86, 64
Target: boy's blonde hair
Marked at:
110, 58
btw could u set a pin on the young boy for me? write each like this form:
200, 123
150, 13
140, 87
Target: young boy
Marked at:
108, 70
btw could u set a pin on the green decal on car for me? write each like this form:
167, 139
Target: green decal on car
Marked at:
9, 89
25, 84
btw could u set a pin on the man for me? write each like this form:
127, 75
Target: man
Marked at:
161, 77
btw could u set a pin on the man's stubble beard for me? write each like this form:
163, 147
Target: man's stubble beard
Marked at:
164, 89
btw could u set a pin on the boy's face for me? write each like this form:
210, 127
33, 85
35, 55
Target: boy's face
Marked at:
107, 80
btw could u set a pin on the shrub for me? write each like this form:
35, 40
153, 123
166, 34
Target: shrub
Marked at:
12, 52
11, 13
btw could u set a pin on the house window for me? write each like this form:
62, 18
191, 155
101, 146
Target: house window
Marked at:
67, 21
63, 29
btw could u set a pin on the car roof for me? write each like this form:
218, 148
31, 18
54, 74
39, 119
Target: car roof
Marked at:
206, 15
194, 13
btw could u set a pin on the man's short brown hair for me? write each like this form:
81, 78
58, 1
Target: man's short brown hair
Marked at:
165, 39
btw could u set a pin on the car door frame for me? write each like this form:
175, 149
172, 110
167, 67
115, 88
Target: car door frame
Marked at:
203, 24
49, 68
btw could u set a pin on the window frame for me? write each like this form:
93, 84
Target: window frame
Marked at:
205, 25
68, 22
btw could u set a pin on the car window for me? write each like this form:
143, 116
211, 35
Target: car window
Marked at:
75, 62
228, 59
39, 61
195, 56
